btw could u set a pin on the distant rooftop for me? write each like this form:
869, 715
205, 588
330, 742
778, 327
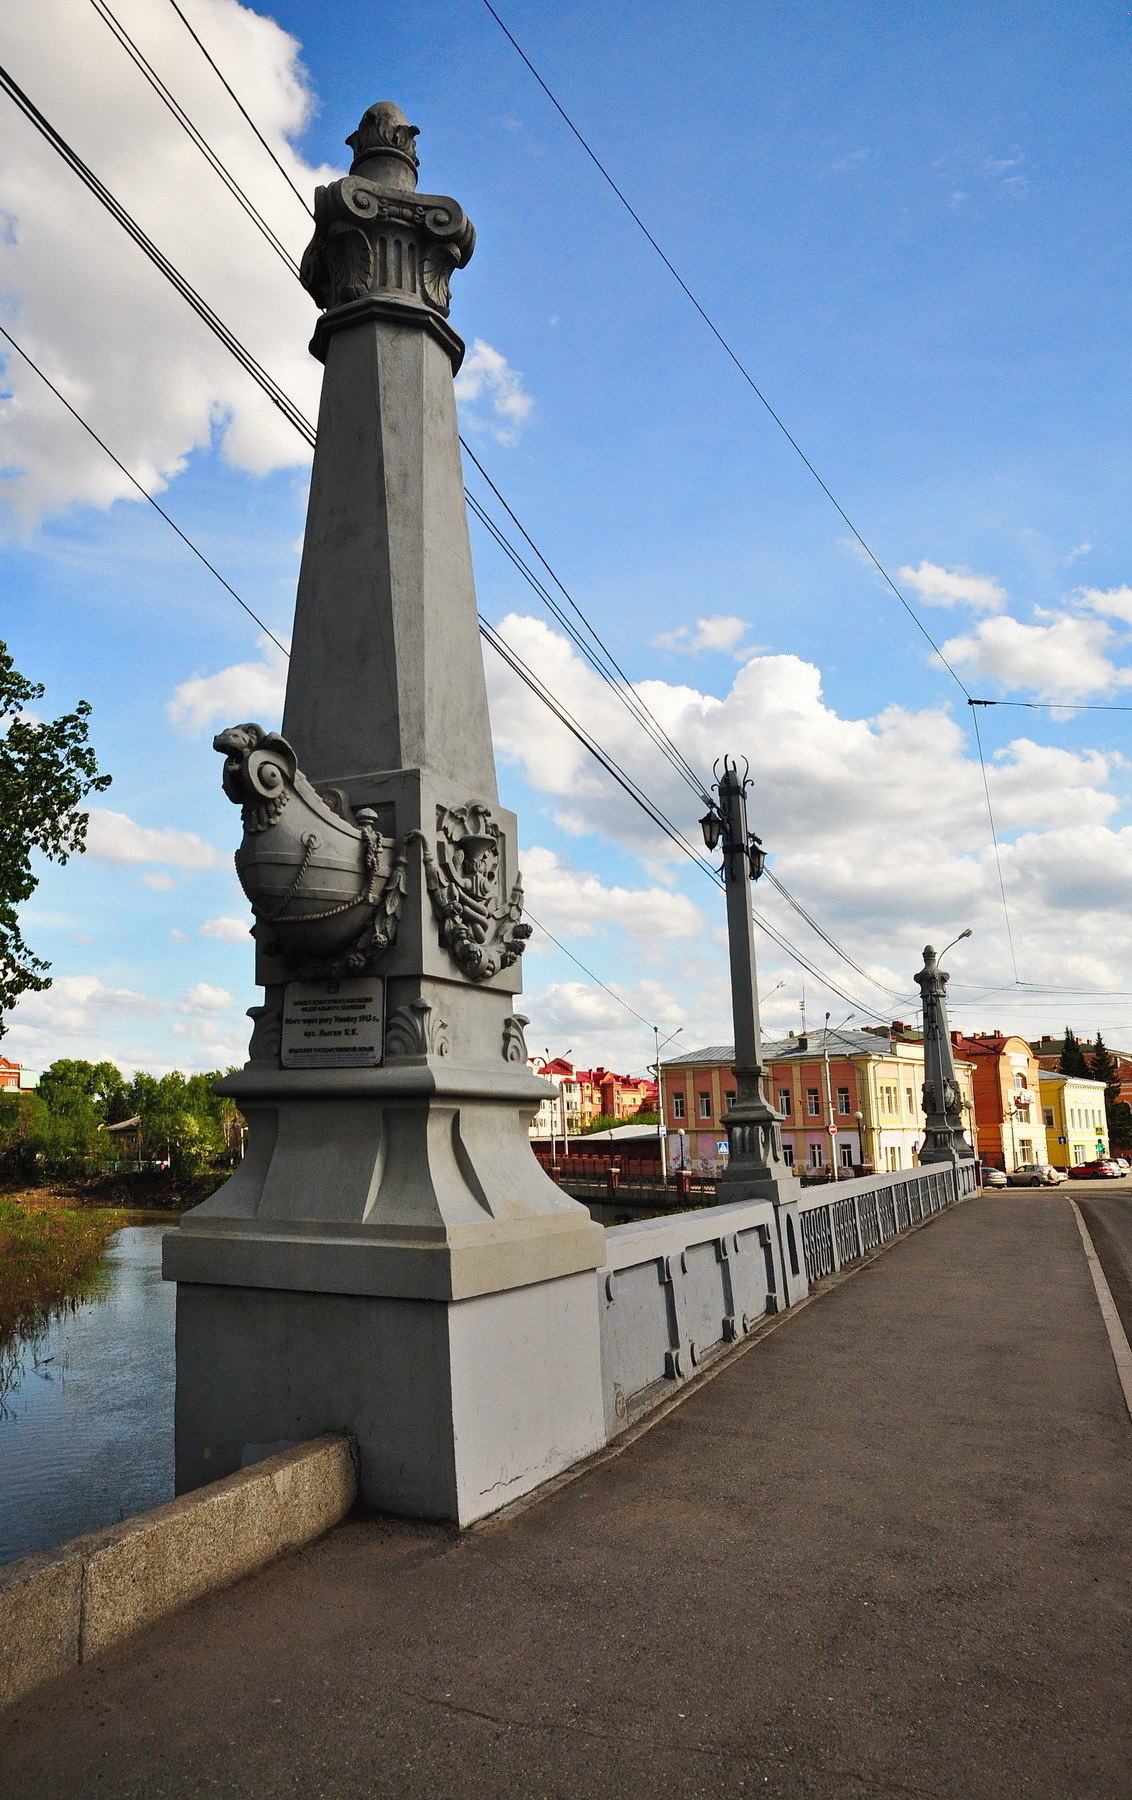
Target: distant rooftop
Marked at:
840, 1043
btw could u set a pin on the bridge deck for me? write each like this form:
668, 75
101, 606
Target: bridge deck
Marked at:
885, 1552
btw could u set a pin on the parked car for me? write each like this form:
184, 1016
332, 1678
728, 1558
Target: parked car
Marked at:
1100, 1170
1035, 1175
993, 1177
1121, 1163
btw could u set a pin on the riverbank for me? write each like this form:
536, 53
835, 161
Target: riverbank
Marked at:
125, 1190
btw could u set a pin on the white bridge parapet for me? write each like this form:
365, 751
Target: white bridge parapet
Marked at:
676, 1290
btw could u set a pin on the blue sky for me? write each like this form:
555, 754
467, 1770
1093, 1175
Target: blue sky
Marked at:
910, 223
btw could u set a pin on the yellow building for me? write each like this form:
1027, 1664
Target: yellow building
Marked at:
1074, 1115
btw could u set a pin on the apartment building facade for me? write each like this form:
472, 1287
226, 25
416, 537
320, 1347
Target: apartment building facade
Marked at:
848, 1100
1009, 1113
1073, 1113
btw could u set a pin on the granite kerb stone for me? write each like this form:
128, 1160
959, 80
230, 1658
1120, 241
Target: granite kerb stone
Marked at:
60, 1607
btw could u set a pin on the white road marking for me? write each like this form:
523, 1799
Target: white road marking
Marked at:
1117, 1337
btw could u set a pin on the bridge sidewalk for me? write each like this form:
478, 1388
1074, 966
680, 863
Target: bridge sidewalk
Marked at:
886, 1552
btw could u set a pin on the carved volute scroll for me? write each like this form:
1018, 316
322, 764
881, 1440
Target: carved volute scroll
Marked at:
514, 1041
374, 236
415, 1029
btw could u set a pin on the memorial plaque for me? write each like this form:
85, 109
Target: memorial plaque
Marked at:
333, 1024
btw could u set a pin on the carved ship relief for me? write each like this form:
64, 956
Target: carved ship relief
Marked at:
325, 886
480, 923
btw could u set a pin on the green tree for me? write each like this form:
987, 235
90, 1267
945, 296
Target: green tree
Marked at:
102, 1083
46, 771
1103, 1066
1072, 1056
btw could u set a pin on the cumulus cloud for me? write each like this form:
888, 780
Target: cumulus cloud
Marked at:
116, 338
203, 998
247, 690
229, 931
1115, 603
114, 837
78, 1005
487, 376
878, 825
1066, 660
937, 586
574, 904
720, 632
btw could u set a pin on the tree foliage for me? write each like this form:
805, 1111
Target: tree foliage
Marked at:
46, 771
1073, 1060
58, 1130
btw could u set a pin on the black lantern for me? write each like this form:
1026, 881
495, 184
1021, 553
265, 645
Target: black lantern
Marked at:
711, 825
756, 856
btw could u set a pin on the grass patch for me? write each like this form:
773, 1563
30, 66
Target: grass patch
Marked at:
50, 1258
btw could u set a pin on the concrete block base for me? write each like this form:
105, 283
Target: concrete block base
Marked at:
455, 1408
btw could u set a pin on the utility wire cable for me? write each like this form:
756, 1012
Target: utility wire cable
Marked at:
186, 540
581, 965
198, 138
145, 243
1050, 705
825, 937
994, 842
300, 197
306, 429
723, 342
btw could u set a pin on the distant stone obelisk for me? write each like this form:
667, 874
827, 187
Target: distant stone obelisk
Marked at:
944, 1140
389, 1259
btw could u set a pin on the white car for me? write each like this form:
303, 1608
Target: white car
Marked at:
1035, 1175
993, 1178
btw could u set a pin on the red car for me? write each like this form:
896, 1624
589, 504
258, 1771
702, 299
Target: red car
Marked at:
1096, 1171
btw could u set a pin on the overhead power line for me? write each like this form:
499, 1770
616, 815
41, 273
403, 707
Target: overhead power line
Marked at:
246, 116
1050, 705
117, 461
596, 979
306, 429
161, 262
747, 376
141, 62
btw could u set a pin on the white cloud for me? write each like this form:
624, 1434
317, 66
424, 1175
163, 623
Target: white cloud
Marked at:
573, 904
114, 837
719, 632
879, 826
229, 931
487, 375
937, 586
86, 303
1115, 603
202, 998
248, 690
78, 1005
1065, 660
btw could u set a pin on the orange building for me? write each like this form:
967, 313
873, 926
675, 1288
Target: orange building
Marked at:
9, 1073
1008, 1108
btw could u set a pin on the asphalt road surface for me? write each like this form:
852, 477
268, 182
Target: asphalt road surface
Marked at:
885, 1554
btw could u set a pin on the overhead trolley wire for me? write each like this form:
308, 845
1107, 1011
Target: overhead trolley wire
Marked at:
198, 138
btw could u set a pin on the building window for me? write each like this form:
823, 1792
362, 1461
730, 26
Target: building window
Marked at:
1078, 1155
911, 1102
817, 1158
1025, 1150
788, 1155
846, 1156
1047, 1114
813, 1103
705, 1106
677, 1106
1019, 1081
892, 1156
1023, 1115
785, 1102
843, 1100
730, 1099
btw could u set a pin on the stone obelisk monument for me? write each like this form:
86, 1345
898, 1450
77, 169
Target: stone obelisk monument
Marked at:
389, 1259
944, 1140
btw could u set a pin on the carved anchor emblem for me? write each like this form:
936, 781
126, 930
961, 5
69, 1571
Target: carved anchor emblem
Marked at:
480, 925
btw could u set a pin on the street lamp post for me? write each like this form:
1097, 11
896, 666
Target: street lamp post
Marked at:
943, 1107
661, 1128
755, 1166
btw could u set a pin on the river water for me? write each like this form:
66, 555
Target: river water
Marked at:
86, 1425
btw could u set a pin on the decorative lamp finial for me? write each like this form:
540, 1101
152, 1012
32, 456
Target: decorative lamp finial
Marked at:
383, 147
